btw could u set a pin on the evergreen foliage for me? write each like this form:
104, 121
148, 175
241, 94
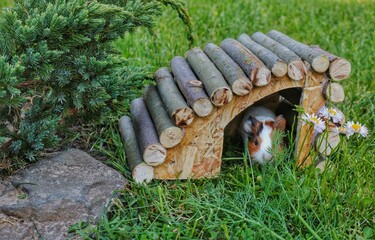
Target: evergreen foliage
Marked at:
58, 68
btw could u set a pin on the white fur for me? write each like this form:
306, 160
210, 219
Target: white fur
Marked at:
262, 114
264, 118
264, 154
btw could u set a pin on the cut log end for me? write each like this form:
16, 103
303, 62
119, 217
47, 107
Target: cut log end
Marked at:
203, 107
171, 137
242, 87
333, 92
143, 173
340, 69
320, 64
154, 154
321, 165
262, 76
279, 69
297, 70
183, 117
221, 96
325, 144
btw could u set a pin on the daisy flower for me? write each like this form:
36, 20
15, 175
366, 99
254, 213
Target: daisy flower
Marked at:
319, 124
323, 112
332, 113
341, 130
352, 128
336, 115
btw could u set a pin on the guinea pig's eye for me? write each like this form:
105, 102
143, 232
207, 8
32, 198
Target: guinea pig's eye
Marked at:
256, 142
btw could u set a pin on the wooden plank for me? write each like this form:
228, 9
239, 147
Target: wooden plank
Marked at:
202, 144
312, 100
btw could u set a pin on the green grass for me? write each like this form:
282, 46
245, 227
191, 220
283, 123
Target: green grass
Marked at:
5, 3
245, 202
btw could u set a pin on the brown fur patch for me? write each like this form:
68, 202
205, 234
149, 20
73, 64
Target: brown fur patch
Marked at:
254, 148
269, 123
280, 123
255, 141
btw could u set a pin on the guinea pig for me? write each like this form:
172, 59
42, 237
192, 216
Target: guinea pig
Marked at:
257, 130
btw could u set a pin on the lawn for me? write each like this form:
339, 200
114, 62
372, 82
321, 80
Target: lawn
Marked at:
5, 3
277, 201
244, 202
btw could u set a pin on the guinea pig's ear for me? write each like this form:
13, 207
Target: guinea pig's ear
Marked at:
280, 123
248, 125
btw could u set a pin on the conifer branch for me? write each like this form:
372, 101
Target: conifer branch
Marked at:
62, 51
179, 6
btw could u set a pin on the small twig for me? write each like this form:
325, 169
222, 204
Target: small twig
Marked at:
27, 83
38, 232
6, 144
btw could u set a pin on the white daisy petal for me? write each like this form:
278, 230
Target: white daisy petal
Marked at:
336, 130
352, 128
319, 124
320, 127
364, 131
348, 128
305, 117
348, 134
341, 130
336, 115
323, 112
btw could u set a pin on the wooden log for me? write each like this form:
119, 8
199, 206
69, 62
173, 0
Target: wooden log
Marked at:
321, 165
212, 79
233, 73
178, 110
139, 169
318, 61
169, 134
250, 64
152, 151
296, 68
277, 66
333, 92
339, 68
191, 87
326, 142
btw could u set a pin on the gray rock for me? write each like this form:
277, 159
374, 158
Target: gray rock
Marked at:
42, 200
